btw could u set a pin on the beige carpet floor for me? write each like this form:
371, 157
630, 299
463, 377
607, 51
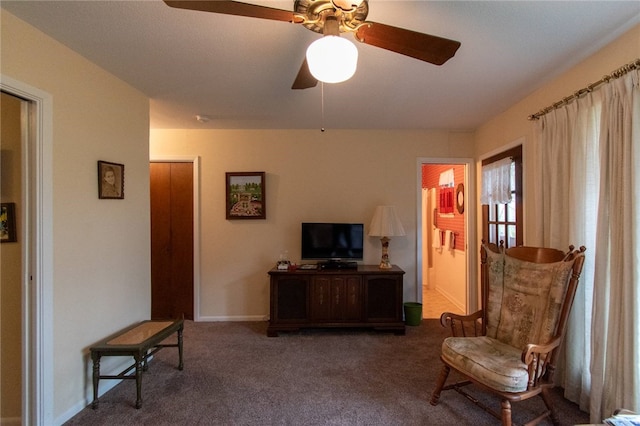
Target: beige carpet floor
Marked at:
235, 375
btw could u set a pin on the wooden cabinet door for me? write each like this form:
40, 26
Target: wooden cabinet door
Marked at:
353, 299
321, 298
289, 299
383, 296
336, 298
171, 240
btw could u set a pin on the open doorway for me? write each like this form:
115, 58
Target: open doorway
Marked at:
34, 231
11, 257
445, 275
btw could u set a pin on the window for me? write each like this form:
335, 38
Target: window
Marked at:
503, 222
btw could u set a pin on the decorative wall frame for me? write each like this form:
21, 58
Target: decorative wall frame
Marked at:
110, 180
8, 232
245, 195
460, 198
446, 199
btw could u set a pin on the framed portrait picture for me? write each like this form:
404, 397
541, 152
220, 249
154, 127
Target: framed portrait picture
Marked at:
8, 223
245, 195
110, 180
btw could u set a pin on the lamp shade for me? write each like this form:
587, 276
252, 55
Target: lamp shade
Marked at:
385, 223
332, 59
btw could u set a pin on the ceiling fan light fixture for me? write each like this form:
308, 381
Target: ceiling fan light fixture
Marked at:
347, 5
332, 59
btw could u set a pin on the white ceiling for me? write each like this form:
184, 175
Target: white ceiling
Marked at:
239, 70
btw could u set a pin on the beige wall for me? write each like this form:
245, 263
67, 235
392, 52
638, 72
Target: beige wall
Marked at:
101, 278
101, 247
338, 175
513, 125
10, 263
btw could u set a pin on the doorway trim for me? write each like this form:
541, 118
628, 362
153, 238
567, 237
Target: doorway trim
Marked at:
196, 220
469, 219
37, 252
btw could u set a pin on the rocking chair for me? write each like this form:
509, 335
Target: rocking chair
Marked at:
509, 347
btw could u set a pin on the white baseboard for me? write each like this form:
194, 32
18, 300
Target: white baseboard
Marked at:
233, 318
107, 385
114, 365
458, 303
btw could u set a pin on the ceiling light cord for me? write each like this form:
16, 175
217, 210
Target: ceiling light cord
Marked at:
322, 106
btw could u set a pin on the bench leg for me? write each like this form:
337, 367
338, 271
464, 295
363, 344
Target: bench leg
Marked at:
96, 379
180, 363
139, 367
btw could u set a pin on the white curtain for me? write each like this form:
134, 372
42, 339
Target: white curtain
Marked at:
496, 179
446, 178
616, 316
584, 163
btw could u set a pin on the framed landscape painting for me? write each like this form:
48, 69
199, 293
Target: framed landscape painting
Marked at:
245, 195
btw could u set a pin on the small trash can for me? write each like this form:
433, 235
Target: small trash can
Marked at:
412, 313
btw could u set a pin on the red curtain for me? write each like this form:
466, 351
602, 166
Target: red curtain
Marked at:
446, 199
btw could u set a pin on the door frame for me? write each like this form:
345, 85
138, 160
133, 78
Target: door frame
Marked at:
469, 219
196, 220
37, 251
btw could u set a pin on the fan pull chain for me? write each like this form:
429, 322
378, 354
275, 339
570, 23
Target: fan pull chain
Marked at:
322, 106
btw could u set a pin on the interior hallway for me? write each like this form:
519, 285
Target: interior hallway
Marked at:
434, 304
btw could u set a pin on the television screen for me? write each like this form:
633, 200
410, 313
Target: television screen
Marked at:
327, 241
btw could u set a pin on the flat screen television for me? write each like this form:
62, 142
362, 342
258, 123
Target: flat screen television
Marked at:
332, 241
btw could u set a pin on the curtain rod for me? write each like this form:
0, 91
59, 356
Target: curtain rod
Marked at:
564, 101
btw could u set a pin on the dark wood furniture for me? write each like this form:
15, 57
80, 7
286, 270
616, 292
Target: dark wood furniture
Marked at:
139, 341
486, 354
363, 297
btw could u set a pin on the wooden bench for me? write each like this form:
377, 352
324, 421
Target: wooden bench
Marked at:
139, 341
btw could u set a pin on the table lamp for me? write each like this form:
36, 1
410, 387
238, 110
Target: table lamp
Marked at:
385, 224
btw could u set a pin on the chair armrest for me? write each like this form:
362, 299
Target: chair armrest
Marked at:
538, 359
460, 324
532, 350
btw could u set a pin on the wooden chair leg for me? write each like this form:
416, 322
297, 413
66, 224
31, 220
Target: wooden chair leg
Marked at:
435, 396
547, 401
506, 412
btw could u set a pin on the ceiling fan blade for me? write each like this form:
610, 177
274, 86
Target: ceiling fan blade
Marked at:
428, 48
236, 8
304, 79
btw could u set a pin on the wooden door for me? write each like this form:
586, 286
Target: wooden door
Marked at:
171, 240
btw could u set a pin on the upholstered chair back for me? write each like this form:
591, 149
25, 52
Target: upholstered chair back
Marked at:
526, 287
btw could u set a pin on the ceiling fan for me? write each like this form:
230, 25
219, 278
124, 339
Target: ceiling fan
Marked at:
330, 18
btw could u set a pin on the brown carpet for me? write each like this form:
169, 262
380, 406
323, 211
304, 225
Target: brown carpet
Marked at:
235, 375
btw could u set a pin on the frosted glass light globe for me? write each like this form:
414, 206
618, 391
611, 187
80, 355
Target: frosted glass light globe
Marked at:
332, 59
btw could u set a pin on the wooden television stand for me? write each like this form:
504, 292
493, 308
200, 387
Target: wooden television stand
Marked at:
366, 297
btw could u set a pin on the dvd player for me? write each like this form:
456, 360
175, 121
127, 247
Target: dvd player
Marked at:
332, 265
